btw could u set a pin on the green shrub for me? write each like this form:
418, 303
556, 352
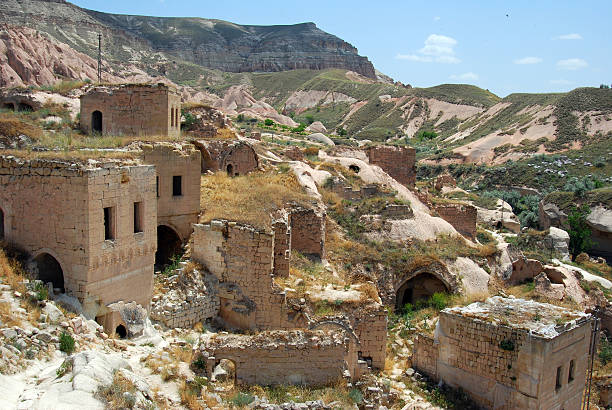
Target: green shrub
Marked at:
579, 231
66, 343
605, 351
242, 399
507, 345
438, 301
268, 122
356, 396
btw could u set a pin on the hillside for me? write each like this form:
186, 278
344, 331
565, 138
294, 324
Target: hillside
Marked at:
157, 41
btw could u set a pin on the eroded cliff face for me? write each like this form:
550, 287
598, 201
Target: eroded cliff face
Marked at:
209, 43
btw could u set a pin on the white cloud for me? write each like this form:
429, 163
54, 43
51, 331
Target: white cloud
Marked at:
470, 76
571, 36
437, 49
528, 60
561, 82
572, 64
437, 18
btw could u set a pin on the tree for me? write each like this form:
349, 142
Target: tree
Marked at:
579, 231
268, 122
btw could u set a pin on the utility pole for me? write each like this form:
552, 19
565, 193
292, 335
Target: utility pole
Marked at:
99, 58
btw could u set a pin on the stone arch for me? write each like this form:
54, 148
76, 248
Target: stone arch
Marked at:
169, 244
354, 168
96, 121
121, 331
422, 282
230, 170
49, 269
242, 157
230, 366
8, 106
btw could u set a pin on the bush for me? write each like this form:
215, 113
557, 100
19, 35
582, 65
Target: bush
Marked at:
356, 396
579, 231
190, 119
242, 399
66, 343
426, 135
605, 351
268, 122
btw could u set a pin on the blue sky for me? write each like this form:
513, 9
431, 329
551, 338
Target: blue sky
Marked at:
504, 46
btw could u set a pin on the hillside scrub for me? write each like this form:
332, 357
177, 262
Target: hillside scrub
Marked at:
249, 199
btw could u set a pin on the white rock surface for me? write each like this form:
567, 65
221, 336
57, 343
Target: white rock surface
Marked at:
560, 241
475, 280
318, 137
317, 126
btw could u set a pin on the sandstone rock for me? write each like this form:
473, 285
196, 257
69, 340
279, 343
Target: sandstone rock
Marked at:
550, 215
318, 137
502, 216
600, 219
544, 287
559, 240
317, 126
524, 269
53, 313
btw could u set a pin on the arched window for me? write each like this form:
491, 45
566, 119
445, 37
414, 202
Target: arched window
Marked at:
230, 170
96, 121
49, 270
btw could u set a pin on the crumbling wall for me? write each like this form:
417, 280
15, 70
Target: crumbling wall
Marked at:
444, 180
461, 216
176, 211
141, 110
242, 258
308, 231
233, 157
57, 208
282, 248
504, 366
397, 211
371, 329
301, 357
398, 162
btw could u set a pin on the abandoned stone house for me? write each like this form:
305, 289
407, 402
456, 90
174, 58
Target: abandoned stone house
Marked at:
510, 353
398, 162
233, 157
90, 229
132, 109
177, 186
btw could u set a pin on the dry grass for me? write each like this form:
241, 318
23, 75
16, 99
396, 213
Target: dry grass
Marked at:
12, 126
70, 155
118, 395
7, 316
249, 199
12, 273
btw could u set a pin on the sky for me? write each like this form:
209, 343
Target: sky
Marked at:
503, 46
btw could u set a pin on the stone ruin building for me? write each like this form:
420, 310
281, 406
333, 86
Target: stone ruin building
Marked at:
398, 162
510, 353
234, 157
90, 229
132, 109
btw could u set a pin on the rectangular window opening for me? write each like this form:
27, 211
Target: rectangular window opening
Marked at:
172, 117
177, 185
109, 223
157, 185
570, 376
1, 224
138, 217
558, 382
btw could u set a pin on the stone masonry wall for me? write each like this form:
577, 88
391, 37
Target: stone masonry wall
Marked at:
398, 162
274, 358
56, 208
176, 212
395, 211
282, 248
503, 367
371, 329
425, 355
238, 157
462, 217
242, 258
140, 110
308, 231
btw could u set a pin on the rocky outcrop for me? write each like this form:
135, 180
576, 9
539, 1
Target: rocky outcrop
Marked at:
209, 43
317, 126
501, 216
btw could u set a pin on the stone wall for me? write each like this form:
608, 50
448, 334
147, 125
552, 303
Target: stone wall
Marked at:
444, 180
505, 367
307, 231
395, 211
302, 357
371, 330
233, 157
57, 208
140, 110
282, 248
178, 212
242, 258
461, 216
398, 162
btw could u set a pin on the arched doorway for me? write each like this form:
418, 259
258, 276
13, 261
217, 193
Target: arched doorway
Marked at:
96, 121
169, 245
121, 331
49, 270
354, 168
230, 170
25, 107
8, 106
419, 287
1, 224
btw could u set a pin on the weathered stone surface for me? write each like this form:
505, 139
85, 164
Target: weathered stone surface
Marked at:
317, 126
233, 157
318, 137
398, 162
559, 240
501, 216
462, 217
544, 287
524, 269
